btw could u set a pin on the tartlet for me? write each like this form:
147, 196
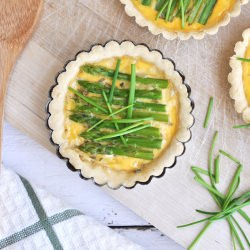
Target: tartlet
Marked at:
161, 104
239, 77
170, 25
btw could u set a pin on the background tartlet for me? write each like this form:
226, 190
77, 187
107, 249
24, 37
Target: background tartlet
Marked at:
114, 178
132, 11
236, 79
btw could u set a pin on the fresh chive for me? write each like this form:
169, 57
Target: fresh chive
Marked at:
110, 111
182, 15
227, 204
208, 187
241, 230
242, 126
217, 169
199, 170
125, 131
198, 237
88, 100
194, 11
232, 187
210, 160
236, 234
168, 10
110, 115
243, 59
209, 111
131, 120
111, 93
131, 97
205, 212
229, 156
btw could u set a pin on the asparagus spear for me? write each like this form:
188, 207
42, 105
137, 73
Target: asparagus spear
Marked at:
136, 141
194, 12
146, 2
140, 93
137, 105
90, 121
207, 11
159, 4
130, 151
136, 114
102, 71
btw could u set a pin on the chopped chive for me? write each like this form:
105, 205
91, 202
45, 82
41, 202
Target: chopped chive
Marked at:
209, 111
199, 170
168, 10
125, 131
88, 100
110, 111
243, 59
232, 187
114, 113
198, 237
111, 93
210, 160
131, 97
131, 120
182, 15
242, 126
194, 11
208, 187
236, 234
229, 156
217, 169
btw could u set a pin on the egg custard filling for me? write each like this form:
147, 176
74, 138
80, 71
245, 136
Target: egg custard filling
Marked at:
184, 15
120, 113
246, 74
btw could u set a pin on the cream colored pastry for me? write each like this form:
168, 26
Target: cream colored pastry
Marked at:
146, 16
117, 170
239, 77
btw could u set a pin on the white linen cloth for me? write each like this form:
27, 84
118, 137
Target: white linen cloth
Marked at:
31, 219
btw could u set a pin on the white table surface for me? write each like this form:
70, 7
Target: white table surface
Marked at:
38, 165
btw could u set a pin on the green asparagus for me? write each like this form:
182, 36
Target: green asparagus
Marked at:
102, 71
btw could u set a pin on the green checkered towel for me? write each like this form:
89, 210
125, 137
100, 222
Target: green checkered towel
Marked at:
31, 218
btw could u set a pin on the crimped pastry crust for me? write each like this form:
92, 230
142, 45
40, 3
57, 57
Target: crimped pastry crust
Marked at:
235, 77
170, 35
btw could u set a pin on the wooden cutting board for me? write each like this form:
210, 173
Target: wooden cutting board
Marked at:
69, 26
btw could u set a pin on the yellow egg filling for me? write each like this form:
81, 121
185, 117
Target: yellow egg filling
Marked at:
167, 129
246, 75
221, 8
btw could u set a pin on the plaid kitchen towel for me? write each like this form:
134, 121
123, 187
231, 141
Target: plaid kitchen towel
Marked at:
31, 219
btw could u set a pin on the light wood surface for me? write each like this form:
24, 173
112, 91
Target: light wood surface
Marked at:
69, 26
18, 19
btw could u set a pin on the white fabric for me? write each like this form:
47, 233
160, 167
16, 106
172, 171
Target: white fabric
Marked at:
79, 232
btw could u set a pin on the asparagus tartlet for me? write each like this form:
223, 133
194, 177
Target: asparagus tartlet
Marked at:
183, 18
120, 114
239, 77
